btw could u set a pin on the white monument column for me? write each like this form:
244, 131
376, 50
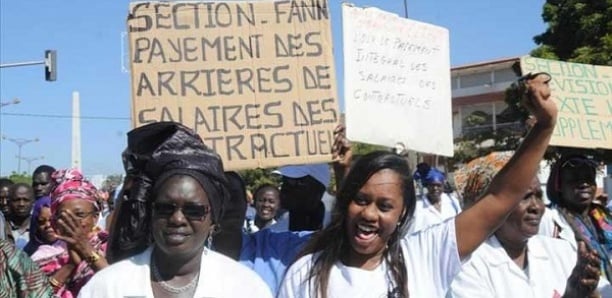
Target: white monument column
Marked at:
76, 132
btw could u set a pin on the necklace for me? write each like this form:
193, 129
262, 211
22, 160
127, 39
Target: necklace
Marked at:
166, 286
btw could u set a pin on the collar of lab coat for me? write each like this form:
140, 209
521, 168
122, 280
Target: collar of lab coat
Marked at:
500, 257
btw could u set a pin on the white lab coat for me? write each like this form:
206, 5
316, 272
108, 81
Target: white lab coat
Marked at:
426, 214
491, 272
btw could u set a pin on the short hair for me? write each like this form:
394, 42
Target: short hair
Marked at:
43, 169
6, 182
264, 187
16, 186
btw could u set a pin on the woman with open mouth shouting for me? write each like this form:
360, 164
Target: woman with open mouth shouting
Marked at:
363, 252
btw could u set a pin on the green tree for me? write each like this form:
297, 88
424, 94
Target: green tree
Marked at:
363, 148
578, 31
20, 178
253, 178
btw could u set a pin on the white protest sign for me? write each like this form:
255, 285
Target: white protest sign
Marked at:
396, 81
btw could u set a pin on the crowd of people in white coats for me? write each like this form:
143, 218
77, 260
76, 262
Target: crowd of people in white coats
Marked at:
181, 226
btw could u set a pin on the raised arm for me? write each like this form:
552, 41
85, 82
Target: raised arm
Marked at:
341, 153
508, 187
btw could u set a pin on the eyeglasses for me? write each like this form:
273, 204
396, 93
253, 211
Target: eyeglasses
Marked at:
79, 215
190, 211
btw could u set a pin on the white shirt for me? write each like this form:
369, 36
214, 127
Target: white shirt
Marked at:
250, 227
431, 257
553, 219
426, 214
220, 276
491, 272
21, 237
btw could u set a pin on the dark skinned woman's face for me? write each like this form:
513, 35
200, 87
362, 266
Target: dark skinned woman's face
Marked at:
181, 217
578, 186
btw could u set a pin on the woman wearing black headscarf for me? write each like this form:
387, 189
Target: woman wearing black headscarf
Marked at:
177, 191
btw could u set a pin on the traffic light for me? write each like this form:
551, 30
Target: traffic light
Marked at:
50, 65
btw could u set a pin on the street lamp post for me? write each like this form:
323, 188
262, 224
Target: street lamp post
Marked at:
29, 160
8, 103
20, 142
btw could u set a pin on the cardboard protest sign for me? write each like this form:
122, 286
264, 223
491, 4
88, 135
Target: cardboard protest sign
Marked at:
583, 94
396, 81
256, 80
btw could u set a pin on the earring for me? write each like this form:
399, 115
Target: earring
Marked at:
209, 242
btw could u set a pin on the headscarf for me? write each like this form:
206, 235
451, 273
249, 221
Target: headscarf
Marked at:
434, 175
474, 178
69, 184
156, 152
35, 241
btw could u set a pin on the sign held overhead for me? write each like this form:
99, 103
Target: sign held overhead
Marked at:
397, 81
256, 80
584, 97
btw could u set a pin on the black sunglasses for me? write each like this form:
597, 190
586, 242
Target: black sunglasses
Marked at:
190, 211
578, 162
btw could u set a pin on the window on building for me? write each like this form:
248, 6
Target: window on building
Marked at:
476, 80
504, 75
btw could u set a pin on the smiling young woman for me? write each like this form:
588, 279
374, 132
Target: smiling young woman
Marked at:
364, 252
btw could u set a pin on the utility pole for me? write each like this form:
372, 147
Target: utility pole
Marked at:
29, 160
8, 103
406, 8
20, 142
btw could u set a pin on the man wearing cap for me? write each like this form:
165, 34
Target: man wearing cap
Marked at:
435, 205
303, 195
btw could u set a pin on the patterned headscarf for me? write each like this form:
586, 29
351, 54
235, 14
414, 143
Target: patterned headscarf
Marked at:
474, 178
69, 185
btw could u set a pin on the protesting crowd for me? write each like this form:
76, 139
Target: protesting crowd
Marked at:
181, 226
224, 86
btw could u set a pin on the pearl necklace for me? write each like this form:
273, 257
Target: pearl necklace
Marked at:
167, 287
